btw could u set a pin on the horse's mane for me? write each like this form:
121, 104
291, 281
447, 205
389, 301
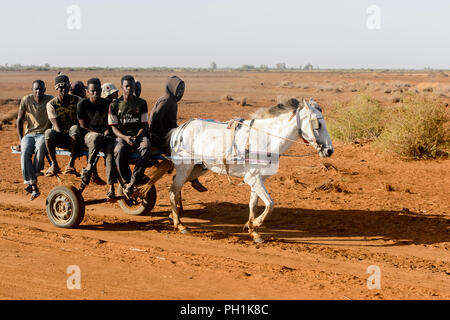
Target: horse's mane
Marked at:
272, 112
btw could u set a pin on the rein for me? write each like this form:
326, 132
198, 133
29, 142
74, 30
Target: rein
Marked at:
297, 115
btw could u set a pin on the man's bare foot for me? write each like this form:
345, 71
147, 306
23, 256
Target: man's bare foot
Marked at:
70, 170
52, 171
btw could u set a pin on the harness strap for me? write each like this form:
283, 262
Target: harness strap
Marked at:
232, 125
299, 121
247, 145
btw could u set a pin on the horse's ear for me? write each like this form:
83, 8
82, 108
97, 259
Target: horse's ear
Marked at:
314, 104
306, 105
293, 102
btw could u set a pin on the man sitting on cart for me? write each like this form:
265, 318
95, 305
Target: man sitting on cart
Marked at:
92, 115
62, 113
33, 109
128, 118
163, 118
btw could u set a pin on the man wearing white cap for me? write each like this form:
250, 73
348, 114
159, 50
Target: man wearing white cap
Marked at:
109, 91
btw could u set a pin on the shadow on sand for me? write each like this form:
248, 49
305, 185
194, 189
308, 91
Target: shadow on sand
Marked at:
225, 220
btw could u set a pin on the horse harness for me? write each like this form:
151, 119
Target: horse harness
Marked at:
315, 126
235, 124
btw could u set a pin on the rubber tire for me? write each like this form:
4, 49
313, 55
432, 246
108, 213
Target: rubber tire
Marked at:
77, 203
146, 206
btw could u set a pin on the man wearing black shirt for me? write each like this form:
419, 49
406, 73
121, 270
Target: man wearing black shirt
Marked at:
93, 119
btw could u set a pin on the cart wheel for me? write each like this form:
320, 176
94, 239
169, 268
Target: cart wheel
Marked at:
138, 206
65, 207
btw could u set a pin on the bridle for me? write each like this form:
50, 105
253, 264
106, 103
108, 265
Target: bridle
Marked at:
314, 122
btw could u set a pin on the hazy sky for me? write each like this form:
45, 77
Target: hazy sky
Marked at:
181, 33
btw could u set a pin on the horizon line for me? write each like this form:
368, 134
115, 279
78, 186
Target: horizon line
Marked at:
262, 68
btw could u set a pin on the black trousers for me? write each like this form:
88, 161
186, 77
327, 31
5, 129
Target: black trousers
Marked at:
121, 150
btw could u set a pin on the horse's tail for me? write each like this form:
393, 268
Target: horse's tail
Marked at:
169, 135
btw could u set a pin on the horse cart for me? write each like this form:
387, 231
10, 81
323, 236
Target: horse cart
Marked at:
65, 204
249, 149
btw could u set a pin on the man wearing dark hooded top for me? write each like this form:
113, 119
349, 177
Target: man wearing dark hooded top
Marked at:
163, 117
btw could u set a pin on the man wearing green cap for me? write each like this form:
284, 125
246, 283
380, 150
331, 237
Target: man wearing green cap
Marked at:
62, 113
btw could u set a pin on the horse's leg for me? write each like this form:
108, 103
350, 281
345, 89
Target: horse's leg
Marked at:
265, 197
182, 172
252, 207
256, 182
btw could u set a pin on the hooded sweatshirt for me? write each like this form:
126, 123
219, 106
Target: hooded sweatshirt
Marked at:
163, 116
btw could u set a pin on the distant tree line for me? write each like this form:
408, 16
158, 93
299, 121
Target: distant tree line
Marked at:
279, 67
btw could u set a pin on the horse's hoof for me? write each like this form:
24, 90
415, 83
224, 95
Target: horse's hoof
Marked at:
259, 240
257, 237
184, 230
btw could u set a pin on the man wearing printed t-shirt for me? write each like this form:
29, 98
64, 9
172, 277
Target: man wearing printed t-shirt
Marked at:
128, 118
62, 113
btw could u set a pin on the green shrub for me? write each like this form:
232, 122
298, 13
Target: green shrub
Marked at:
361, 119
416, 129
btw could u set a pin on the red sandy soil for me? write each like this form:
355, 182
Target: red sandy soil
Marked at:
333, 217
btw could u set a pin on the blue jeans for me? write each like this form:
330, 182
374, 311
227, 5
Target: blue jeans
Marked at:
32, 143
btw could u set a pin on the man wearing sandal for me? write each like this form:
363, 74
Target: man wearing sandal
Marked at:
34, 111
62, 113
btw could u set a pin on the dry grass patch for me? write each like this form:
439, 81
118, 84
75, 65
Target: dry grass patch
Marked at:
416, 129
361, 119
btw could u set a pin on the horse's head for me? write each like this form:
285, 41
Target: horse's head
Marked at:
312, 128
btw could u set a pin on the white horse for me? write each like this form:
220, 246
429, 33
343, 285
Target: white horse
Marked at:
248, 149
